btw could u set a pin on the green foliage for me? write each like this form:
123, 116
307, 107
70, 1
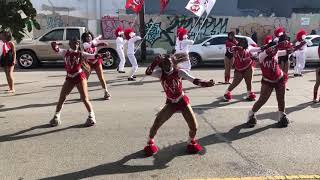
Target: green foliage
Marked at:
12, 18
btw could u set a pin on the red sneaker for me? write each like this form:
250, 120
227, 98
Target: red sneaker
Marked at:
193, 147
151, 148
227, 96
251, 97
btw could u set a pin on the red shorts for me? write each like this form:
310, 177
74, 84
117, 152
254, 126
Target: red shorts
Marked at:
95, 65
77, 79
281, 83
252, 65
181, 105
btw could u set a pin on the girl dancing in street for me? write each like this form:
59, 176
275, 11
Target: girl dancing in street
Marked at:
171, 80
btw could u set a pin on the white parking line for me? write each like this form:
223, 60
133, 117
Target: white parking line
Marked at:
243, 107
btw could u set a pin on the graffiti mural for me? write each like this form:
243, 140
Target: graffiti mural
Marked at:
50, 21
153, 30
162, 33
211, 26
53, 21
109, 24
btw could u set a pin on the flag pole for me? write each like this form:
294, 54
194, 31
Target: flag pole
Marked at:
195, 25
195, 38
146, 34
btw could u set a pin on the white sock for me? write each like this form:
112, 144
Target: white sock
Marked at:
105, 90
227, 91
280, 114
91, 114
248, 93
250, 113
57, 114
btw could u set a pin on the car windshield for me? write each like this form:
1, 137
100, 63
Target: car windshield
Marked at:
199, 41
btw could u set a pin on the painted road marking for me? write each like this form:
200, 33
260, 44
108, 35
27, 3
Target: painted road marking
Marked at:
241, 107
293, 177
266, 178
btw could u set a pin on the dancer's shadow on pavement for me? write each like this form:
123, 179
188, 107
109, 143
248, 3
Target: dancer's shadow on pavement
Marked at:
22, 94
220, 102
19, 135
32, 106
162, 158
19, 83
299, 107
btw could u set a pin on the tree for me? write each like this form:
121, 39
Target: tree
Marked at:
18, 16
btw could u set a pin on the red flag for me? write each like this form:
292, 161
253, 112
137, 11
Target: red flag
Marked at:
135, 5
163, 4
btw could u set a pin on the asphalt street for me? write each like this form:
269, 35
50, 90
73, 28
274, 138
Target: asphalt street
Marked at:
30, 149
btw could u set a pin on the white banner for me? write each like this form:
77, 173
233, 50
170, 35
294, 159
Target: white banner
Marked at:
196, 7
208, 4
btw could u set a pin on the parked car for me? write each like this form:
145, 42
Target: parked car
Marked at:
30, 53
312, 50
212, 48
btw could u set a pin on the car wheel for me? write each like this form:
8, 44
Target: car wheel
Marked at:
195, 59
110, 62
27, 59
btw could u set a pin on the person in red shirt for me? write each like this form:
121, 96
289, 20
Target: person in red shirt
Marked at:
244, 67
171, 80
90, 45
8, 58
272, 78
73, 59
317, 84
228, 60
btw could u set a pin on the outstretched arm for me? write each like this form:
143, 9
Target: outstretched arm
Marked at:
199, 82
55, 47
154, 64
96, 42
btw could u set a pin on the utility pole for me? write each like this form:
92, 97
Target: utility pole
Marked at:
142, 33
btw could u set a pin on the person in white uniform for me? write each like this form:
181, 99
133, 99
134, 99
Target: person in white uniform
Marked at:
132, 38
300, 52
182, 50
120, 44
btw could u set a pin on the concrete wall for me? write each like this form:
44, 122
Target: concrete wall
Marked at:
88, 13
162, 33
104, 16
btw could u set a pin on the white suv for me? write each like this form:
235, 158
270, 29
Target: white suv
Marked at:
212, 48
312, 50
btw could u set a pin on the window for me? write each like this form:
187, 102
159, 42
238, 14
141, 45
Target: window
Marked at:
55, 35
315, 41
199, 41
218, 41
73, 33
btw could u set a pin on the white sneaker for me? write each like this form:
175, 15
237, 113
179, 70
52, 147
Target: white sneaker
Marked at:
91, 121
55, 121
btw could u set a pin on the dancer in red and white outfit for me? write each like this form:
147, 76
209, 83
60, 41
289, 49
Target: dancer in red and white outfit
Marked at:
75, 77
182, 50
300, 52
244, 68
317, 84
8, 58
277, 33
281, 36
228, 59
90, 45
131, 37
120, 41
171, 80
272, 78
